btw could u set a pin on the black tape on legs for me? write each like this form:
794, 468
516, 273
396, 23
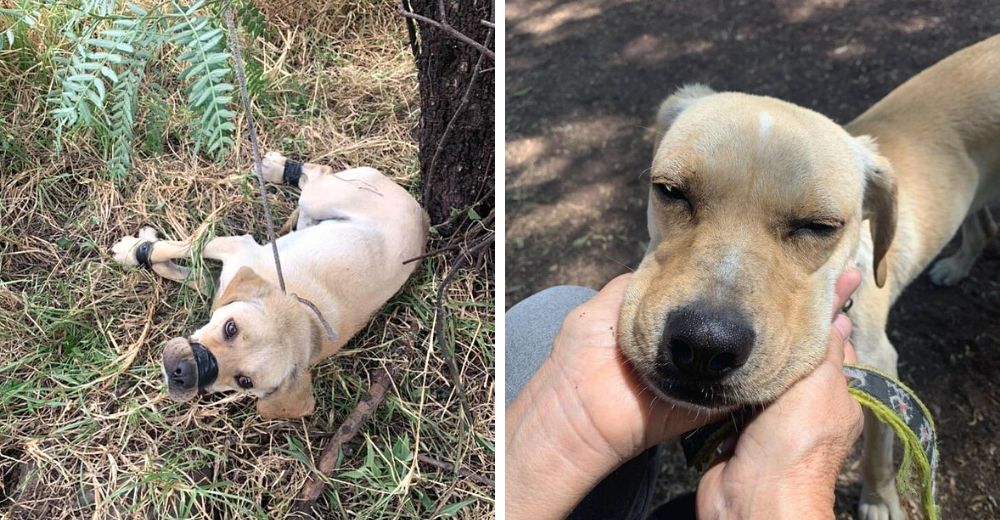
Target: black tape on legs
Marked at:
293, 170
142, 254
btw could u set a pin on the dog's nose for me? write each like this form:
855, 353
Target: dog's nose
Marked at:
183, 375
705, 344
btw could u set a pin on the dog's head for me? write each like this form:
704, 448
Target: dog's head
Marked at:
259, 340
755, 208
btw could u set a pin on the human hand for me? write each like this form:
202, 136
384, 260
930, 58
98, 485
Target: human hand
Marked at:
786, 460
582, 414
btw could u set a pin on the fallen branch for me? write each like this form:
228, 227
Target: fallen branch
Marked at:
447, 466
345, 433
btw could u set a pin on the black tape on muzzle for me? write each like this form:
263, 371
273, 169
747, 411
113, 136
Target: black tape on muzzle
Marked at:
208, 368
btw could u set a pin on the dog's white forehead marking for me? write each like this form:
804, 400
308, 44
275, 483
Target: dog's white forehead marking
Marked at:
766, 122
727, 272
728, 268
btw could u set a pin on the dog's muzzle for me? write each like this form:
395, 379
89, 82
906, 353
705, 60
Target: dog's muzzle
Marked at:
208, 368
188, 368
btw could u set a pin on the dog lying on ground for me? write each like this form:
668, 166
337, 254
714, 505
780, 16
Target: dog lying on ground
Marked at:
354, 231
757, 206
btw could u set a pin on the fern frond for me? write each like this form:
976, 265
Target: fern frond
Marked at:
143, 36
106, 67
85, 76
21, 17
99, 7
207, 73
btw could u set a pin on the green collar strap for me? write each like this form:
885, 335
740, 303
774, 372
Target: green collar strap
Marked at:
890, 401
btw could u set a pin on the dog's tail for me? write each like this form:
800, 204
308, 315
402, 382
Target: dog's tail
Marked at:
676, 103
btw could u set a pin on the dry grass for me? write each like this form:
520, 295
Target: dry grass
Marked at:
85, 426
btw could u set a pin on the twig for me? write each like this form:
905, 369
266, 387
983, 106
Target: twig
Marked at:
435, 252
448, 29
439, 323
447, 466
345, 433
411, 29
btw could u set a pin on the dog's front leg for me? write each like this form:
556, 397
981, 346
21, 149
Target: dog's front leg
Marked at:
879, 498
160, 254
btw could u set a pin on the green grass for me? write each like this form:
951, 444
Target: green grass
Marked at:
86, 430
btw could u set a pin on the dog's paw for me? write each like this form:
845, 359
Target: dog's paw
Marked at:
124, 250
949, 271
879, 507
273, 167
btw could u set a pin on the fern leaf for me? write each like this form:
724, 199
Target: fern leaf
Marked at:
142, 35
20, 18
207, 74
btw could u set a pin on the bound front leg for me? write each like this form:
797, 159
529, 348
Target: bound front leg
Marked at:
879, 498
147, 250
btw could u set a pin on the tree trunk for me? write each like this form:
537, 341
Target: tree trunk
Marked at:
456, 133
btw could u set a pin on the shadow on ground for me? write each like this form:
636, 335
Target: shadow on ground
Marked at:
583, 81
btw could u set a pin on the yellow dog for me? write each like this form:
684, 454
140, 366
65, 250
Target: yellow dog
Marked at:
355, 228
756, 207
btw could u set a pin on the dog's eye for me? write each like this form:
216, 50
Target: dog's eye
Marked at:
815, 228
671, 193
229, 330
244, 382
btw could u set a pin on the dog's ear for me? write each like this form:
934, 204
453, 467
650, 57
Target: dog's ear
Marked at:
879, 204
246, 285
292, 399
672, 107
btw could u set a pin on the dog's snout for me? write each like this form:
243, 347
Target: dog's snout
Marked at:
183, 375
706, 344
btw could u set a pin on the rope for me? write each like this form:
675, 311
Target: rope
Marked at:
293, 169
234, 46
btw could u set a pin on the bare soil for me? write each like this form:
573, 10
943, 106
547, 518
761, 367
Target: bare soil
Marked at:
583, 81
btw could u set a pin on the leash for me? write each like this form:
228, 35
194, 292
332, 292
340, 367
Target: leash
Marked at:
892, 402
292, 169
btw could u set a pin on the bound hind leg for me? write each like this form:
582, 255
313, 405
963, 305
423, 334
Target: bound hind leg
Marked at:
977, 230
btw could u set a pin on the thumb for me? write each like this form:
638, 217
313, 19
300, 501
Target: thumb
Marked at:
840, 333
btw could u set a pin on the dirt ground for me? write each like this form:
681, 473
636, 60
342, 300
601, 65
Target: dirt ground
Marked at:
583, 81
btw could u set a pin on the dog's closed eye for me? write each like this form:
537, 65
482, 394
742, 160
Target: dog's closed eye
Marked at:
669, 194
815, 228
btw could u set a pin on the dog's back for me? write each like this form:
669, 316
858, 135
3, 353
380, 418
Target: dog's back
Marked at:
941, 132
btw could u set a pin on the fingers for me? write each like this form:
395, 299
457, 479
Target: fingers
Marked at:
848, 282
850, 356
